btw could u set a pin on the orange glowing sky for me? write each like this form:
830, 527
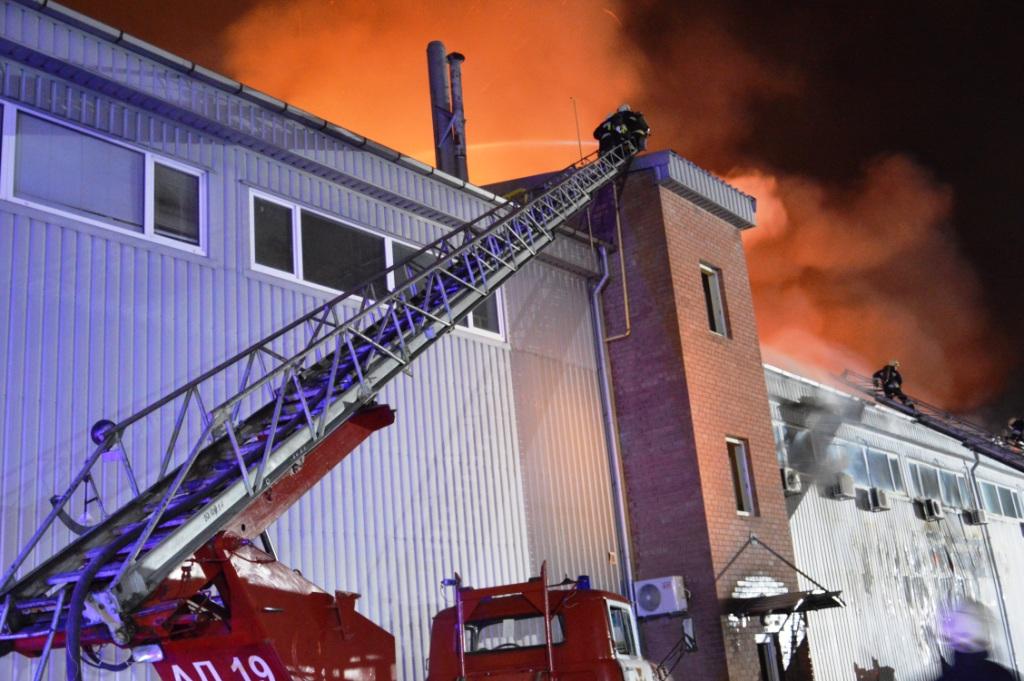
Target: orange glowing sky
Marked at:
364, 67
848, 271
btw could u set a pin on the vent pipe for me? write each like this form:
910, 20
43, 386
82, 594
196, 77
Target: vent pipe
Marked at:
458, 117
446, 109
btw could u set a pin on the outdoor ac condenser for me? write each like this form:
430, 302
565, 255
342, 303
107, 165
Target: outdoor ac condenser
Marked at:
791, 482
976, 516
844, 487
879, 500
659, 596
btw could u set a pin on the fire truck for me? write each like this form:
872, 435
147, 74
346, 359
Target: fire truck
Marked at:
532, 631
182, 573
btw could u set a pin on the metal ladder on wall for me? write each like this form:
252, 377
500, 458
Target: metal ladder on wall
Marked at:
285, 404
973, 436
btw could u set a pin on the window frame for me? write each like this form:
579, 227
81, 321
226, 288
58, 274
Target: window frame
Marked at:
9, 148
297, 277
750, 488
721, 311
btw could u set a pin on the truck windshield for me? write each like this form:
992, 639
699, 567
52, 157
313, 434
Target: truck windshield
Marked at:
509, 633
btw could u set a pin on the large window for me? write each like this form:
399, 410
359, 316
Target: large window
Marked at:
714, 299
742, 476
510, 633
78, 174
301, 244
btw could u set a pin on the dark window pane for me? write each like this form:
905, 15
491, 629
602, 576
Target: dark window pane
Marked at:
176, 204
742, 480
711, 280
65, 168
272, 225
485, 315
402, 253
342, 257
878, 466
1006, 497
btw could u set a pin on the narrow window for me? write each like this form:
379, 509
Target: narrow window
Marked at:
176, 204
742, 477
950, 490
1006, 497
878, 467
897, 475
64, 168
485, 315
272, 235
622, 632
714, 298
342, 257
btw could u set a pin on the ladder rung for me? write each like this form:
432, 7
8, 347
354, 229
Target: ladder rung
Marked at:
105, 572
150, 543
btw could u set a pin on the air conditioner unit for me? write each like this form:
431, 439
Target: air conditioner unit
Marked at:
878, 500
844, 487
932, 509
791, 482
660, 596
975, 516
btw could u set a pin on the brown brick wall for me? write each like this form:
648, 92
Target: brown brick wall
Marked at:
680, 390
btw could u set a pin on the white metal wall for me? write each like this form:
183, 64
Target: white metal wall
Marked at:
896, 570
559, 425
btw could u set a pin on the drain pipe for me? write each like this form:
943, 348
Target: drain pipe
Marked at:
611, 432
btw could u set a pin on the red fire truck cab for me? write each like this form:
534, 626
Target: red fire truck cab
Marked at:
534, 632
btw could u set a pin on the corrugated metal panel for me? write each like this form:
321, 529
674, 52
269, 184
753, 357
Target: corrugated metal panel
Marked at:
559, 424
97, 55
895, 570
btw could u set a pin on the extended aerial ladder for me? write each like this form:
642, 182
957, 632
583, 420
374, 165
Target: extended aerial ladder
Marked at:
304, 397
973, 436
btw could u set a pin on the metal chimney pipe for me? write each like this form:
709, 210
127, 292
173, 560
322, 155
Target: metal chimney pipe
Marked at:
440, 107
458, 116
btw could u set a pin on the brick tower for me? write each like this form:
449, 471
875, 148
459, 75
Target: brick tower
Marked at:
695, 431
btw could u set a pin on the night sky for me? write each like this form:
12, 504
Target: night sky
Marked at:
882, 141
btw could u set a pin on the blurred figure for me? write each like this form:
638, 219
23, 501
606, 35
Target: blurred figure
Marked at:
890, 380
965, 629
1015, 431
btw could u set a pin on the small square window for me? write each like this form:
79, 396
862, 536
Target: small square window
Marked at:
272, 235
176, 204
742, 476
714, 299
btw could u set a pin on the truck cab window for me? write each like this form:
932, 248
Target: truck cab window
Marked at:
623, 640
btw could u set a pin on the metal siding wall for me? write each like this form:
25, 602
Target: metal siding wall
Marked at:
894, 569
98, 324
560, 428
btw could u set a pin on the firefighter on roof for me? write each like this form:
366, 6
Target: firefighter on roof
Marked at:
890, 381
1015, 431
622, 125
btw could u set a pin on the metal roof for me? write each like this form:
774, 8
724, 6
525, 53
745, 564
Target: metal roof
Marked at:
703, 188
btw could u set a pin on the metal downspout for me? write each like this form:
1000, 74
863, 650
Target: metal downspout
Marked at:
611, 432
1003, 615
